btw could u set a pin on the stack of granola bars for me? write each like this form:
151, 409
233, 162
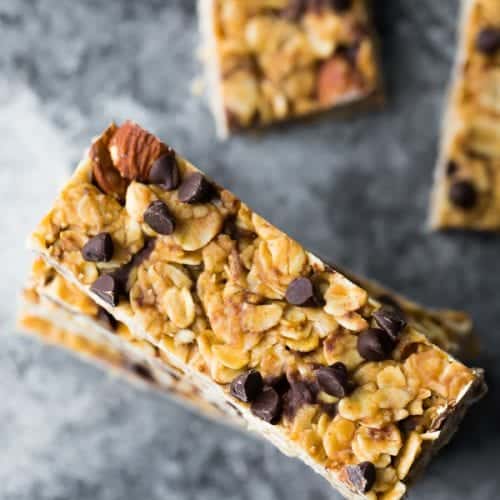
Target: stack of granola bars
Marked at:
149, 267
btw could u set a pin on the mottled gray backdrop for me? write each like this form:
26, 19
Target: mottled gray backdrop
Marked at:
356, 191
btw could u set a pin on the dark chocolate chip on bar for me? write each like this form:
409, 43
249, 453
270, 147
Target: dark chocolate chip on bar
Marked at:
158, 217
362, 476
165, 172
107, 288
99, 248
267, 406
333, 380
247, 386
392, 320
300, 292
463, 194
375, 344
301, 392
195, 189
488, 40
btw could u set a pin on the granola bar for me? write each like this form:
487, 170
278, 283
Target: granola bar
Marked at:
310, 360
467, 186
96, 337
273, 60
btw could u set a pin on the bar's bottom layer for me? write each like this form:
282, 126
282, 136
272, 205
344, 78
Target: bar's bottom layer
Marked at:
86, 339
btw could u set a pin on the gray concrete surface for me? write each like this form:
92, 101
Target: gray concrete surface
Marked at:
356, 191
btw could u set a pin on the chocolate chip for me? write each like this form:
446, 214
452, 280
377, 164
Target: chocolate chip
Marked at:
165, 172
340, 5
195, 189
234, 231
106, 320
300, 292
107, 288
375, 344
488, 41
122, 274
111, 286
141, 371
158, 217
463, 194
333, 380
362, 476
331, 409
267, 406
99, 248
121, 277
451, 168
247, 386
144, 252
300, 393
408, 350
280, 383
392, 320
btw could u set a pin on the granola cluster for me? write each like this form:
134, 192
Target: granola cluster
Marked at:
284, 58
469, 194
347, 379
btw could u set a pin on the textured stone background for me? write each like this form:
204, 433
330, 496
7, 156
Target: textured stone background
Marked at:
356, 191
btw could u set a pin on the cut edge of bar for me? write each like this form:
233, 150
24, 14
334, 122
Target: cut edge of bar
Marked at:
449, 121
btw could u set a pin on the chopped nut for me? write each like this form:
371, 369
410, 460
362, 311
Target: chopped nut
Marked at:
337, 81
133, 151
106, 176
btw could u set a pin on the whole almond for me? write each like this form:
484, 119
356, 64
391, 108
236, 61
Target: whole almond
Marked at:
106, 176
133, 151
336, 78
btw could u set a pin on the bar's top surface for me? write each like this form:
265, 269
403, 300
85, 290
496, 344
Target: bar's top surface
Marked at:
467, 194
277, 59
185, 262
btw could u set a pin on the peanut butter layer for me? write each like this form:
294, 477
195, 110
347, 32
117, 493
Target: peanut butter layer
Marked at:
273, 60
310, 359
467, 186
